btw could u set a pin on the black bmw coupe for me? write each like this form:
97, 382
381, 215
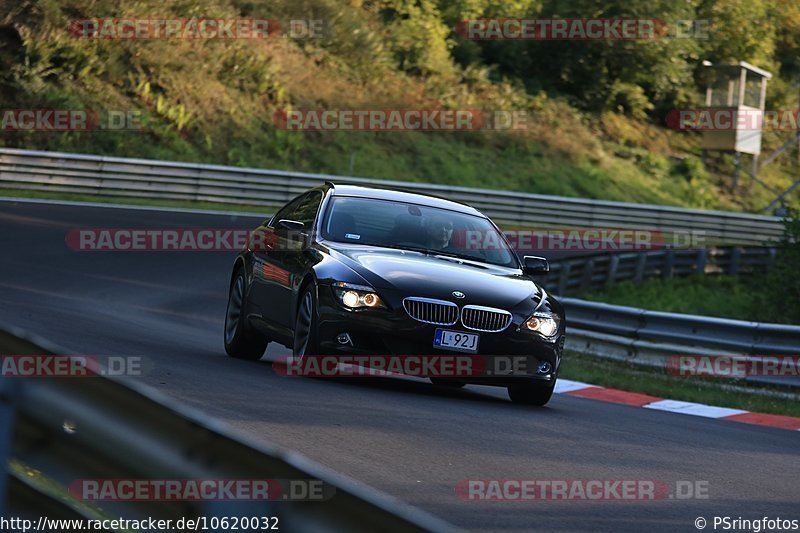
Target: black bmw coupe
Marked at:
344, 269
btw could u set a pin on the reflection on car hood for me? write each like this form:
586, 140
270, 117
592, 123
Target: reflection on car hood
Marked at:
418, 274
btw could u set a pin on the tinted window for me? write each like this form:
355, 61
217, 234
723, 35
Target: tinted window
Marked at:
302, 209
285, 210
410, 226
306, 210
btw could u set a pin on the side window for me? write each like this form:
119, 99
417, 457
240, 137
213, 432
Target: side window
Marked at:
285, 212
306, 210
302, 209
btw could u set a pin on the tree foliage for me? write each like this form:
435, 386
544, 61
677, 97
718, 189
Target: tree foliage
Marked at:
636, 77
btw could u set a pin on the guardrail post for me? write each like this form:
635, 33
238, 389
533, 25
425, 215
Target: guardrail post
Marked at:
669, 264
702, 256
196, 186
733, 266
613, 264
586, 278
563, 278
641, 262
773, 254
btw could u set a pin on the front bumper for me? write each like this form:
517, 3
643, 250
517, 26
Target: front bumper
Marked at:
503, 358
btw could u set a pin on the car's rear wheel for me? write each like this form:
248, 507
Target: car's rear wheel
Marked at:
305, 325
531, 393
241, 341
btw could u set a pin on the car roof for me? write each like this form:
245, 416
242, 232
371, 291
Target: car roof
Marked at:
403, 196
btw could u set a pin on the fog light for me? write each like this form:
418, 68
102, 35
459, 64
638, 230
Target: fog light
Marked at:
344, 338
544, 367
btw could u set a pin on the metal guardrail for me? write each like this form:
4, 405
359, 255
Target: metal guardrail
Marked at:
581, 274
658, 355
650, 337
735, 336
142, 178
66, 429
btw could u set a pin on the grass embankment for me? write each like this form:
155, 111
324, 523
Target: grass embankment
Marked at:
758, 297
710, 295
213, 101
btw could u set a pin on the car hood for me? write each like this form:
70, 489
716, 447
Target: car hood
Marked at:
417, 274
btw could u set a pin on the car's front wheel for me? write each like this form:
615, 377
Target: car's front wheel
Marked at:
241, 341
531, 393
305, 325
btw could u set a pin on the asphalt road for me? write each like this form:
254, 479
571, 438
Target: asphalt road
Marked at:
410, 439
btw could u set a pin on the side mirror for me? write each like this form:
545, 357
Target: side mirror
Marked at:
533, 265
291, 226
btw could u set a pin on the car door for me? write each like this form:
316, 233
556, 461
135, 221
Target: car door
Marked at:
282, 262
266, 281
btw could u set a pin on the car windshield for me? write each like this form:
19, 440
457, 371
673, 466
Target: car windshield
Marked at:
415, 227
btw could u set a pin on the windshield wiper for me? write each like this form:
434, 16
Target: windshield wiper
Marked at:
468, 258
426, 251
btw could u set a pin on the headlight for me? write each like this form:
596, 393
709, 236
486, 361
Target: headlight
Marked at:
357, 296
545, 324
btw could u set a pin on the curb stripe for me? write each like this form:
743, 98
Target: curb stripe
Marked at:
615, 396
763, 419
695, 409
635, 399
564, 386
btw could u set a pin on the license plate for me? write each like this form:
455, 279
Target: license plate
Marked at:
455, 340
